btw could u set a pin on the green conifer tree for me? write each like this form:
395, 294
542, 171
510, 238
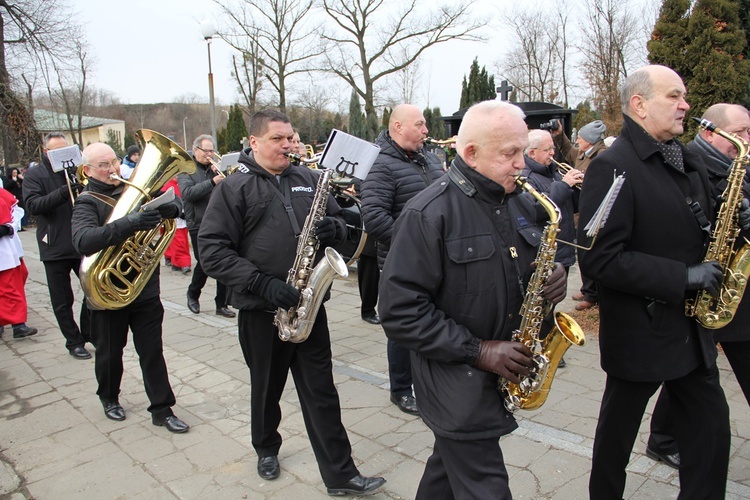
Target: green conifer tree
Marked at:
479, 86
356, 117
669, 38
236, 129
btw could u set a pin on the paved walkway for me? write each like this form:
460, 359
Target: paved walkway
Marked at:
56, 443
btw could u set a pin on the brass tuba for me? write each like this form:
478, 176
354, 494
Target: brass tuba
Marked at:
532, 391
114, 277
717, 312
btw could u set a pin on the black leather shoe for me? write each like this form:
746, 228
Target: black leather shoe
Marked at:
172, 423
80, 352
268, 467
358, 485
22, 331
373, 319
113, 410
406, 404
672, 460
226, 312
193, 305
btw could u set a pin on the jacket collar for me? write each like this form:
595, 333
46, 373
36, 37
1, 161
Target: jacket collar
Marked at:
472, 183
538, 168
717, 162
248, 165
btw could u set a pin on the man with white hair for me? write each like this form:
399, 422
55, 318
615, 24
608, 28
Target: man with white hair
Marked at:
646, 261
465, 246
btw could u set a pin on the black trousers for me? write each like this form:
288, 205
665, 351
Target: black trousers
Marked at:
270, 359
465, 470
111, 332
588, 289
368, 279
199, 278
399, 369
62, 298
699, 416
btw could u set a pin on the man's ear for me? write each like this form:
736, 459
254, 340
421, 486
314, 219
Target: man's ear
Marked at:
638, 105
469, 154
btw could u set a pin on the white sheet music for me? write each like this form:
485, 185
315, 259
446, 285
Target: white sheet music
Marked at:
349, 156
163, 199
67, 157
602, 213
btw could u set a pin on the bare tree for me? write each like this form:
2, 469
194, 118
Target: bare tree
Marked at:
275, 34
71, 90
368, 48
249, 74
610, 33
30, 32
533, 65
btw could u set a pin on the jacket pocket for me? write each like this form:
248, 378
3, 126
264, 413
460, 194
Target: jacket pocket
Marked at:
531, 234
468, 257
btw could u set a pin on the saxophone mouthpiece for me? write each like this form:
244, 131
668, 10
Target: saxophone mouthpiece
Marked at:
705, 123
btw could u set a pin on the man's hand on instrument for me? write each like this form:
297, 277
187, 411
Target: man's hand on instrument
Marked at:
325, 231
704, 276
276, 291
508, 359
556, 286
573, 177
143, 221
745, 215
169, 210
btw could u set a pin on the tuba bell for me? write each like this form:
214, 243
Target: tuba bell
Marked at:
113, 278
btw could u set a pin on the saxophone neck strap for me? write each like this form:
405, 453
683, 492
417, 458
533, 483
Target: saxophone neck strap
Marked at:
283, 193
462, 182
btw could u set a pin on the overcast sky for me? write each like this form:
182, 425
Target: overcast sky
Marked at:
149, 51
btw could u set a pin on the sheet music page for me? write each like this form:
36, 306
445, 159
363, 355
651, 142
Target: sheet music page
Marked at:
67, 157
163, 199
349, 156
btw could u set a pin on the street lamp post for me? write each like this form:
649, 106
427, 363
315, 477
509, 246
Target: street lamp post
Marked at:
208, 30
184, 133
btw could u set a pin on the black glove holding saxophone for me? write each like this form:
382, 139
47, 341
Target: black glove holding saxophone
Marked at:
745, 215
704, 276
325, 231
275, 291
507, 359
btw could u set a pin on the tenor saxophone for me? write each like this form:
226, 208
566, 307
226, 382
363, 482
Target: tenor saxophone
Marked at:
295, 324
716, 312
532, 391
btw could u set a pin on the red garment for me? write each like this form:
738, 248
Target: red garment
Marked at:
13, 295
178, 250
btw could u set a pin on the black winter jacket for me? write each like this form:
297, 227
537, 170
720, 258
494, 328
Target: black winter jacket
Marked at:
91, 233
454, 283
393, 180
196, 189
233, 244
47, 197
640, 257
546, 179
718, 166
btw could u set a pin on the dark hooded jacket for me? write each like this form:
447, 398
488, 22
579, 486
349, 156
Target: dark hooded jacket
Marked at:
394, 179
247, 232
547, 180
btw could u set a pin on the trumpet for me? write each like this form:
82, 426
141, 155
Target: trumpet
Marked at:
216, 164
444, 142
565, 168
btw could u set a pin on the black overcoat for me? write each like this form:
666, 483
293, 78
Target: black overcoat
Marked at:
640, 258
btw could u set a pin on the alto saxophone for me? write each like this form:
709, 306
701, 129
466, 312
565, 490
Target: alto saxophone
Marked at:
532, 391
717, 312
295, 324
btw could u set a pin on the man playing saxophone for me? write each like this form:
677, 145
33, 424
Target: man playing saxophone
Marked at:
646, 262
451, 291
92, 233
248, 240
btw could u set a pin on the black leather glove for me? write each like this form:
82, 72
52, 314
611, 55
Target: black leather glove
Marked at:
745, 215
556, 286
704, 276
276, 291
169, 210
325, 231
5, 231
142, 221
508, 359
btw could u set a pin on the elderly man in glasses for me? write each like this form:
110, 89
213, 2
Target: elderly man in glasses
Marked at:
196, 189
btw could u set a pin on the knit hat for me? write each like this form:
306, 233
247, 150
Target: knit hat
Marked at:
136, 150
593, 132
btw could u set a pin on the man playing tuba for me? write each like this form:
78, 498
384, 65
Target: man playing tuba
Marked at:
92, 233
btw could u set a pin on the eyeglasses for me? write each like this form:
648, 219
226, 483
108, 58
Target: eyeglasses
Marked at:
207, 151
106, 165
546, 150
